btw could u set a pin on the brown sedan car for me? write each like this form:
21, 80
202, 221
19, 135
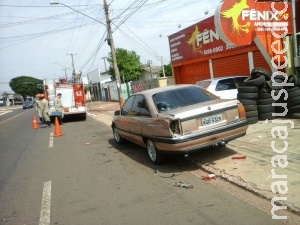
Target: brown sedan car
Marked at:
178, 119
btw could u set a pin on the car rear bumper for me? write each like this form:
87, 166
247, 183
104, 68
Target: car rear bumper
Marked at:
195, 142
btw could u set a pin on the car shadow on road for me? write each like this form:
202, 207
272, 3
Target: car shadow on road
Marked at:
175, 163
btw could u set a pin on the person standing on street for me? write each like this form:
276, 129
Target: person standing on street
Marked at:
38, 107
45, 110
59, 107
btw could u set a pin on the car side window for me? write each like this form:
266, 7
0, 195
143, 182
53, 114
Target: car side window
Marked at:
139, 107
126, 110
226, 84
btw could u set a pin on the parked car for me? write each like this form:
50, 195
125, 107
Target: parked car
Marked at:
27, 104
223, 87
178, 119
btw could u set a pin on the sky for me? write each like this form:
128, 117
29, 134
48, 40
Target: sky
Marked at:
38, 39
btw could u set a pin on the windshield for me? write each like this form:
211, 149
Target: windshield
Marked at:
180, 97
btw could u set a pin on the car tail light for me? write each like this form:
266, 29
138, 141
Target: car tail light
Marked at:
242, 112
175, 127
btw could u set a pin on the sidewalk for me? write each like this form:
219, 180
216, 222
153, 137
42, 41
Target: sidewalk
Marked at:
252, 171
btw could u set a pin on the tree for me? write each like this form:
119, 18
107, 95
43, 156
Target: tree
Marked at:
26, 86
129, 65
168, 70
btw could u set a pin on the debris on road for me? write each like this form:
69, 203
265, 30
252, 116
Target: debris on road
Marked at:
172, 175
183, 185
239, 157
209, 177
91, 115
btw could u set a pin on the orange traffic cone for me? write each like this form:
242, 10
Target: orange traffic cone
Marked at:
34, 123
57, 130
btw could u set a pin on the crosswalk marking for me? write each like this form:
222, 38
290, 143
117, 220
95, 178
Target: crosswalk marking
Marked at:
4, 112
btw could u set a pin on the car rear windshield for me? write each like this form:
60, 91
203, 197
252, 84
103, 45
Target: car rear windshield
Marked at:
203, 84
181, 97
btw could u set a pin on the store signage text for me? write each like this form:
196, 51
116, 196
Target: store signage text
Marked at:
238, 23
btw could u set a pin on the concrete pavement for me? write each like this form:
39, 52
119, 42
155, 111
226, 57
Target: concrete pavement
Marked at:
250, 160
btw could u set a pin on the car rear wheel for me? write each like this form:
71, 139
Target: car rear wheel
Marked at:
155, 156
117, 136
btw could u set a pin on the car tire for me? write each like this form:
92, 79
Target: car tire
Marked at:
247, 95
261, 71
293, 102
279, 77
252, 120
247, 89
292, 89
117, 136
265, 116
265, 109
294, 109
257, 81
294, 93
250, 107
264, 95
155, 156
278, 81
247, 101
280, 109
250, 114
266, 101
293, 79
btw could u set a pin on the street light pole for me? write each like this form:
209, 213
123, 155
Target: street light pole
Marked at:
59, 3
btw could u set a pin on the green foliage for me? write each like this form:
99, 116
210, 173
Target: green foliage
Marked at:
168, 70
26, 86
128, 63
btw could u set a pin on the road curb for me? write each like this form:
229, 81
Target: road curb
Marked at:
239, 182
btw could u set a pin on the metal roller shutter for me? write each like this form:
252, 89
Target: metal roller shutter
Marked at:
191, 73
259, 61
231, 65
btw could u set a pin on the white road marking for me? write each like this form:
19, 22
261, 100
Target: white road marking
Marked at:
4, 112
51, 140
46, 202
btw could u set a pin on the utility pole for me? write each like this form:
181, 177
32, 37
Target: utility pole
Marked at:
73, 73
163, 67
149, 64
65, 74
113, 53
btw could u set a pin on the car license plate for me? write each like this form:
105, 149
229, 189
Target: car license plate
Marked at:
211, 119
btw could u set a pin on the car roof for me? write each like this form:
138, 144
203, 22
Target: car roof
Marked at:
225, 77
165, 88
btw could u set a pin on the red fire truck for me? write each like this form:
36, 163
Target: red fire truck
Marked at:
73, 98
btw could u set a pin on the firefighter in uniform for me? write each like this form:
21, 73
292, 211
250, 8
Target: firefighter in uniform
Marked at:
38, 107
59, 107
45, 110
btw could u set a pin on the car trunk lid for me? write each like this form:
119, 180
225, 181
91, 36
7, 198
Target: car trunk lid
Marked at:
206, 115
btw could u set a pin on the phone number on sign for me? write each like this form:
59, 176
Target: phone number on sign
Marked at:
213, 50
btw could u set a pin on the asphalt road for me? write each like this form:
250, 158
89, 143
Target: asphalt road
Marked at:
83, 177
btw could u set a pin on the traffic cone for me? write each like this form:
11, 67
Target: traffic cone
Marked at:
57, 130
34, 123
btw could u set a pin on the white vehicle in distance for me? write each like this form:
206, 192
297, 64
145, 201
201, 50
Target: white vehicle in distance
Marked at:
223, 87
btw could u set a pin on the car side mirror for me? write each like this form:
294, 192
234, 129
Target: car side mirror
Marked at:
117, 113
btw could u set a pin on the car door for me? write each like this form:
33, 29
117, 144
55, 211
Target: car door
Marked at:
226, 89
124, 118
139, 114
